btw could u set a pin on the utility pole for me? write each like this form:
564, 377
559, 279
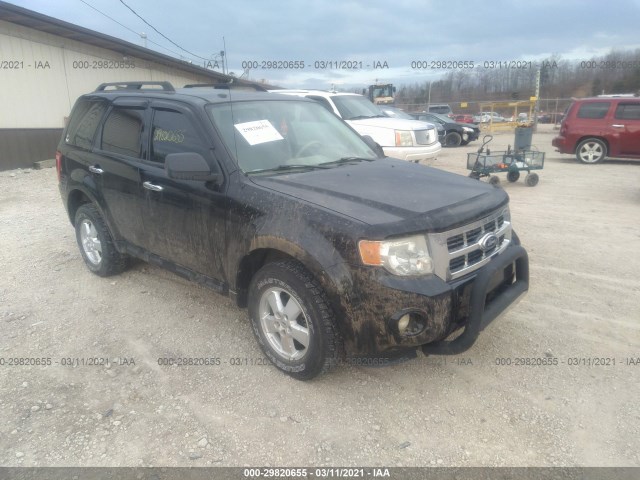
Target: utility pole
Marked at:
536, 108
143, 36
224, 56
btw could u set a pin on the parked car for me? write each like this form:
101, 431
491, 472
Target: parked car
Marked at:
398, 137
442, 109
596, 128
454, 134
279, 204
463, 118
550, 117
487, 117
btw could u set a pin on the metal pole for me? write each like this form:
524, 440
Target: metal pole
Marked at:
429, 100
224, 58
536, 109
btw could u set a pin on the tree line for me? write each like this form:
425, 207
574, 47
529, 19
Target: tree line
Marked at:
616, 72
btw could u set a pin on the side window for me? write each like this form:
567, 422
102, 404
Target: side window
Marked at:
84, 122
122, 131
628, 111
172, 132
593, 110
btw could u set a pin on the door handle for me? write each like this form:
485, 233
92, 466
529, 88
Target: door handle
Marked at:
617, 126
152, 186
96, 169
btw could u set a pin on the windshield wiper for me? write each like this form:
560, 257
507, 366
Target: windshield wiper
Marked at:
348, 160
362, 117
280, 168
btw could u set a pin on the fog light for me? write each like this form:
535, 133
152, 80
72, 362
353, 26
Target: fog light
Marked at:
408, 324
403, 323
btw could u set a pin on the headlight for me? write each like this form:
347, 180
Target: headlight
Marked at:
467, 129
403, 139
506, 214
402, 256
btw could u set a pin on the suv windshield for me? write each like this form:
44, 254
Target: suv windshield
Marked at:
438, 118
286, 135
354, 107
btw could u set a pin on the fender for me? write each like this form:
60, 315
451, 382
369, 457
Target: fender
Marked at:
83, 182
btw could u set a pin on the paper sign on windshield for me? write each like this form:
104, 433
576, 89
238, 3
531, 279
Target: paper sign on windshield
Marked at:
260, 131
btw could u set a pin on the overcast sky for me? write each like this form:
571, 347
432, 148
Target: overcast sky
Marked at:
373, 32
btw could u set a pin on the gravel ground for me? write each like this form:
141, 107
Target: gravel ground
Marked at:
578, 226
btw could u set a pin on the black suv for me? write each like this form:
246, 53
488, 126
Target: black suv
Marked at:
337, 251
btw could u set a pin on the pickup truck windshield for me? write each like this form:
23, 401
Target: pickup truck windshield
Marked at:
269, 136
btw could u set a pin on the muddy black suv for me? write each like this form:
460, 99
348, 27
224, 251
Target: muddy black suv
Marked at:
338, 251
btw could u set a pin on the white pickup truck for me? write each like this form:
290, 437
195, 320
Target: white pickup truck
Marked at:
410, 140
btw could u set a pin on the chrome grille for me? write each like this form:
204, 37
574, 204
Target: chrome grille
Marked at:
425, 137
458, 252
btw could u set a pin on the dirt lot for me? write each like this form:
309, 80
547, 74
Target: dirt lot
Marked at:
582, 231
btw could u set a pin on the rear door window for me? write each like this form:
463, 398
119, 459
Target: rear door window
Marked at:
593, 110
122, 131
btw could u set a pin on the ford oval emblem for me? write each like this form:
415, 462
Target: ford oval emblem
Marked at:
488, 242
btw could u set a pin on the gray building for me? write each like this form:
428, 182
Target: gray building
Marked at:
45, 64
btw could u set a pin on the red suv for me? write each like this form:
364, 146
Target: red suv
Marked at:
595, 128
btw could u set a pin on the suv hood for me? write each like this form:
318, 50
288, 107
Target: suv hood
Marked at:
395, 196
392, 123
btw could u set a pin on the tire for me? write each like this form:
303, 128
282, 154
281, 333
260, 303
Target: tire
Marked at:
96, 244
494, 180
271, 293
452, 139
474, 175
531, 180
591, 151
513, 176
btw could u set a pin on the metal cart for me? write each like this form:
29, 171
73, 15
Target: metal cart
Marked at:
488, 163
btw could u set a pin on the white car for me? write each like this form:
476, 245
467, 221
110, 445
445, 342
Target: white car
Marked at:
486, 117
410, 140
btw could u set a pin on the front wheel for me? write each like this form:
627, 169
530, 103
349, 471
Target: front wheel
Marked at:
452, 139
591, 150
292, 320
513, 176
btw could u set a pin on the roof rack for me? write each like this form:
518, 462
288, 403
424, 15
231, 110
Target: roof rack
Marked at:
227, 86
166, 86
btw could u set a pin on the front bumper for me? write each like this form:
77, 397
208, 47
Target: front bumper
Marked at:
468, 304
470, 136
414, 154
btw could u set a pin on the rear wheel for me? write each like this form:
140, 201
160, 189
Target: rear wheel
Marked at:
494, 180
95, 242
292, 320
531, 180
452, 139
591, 150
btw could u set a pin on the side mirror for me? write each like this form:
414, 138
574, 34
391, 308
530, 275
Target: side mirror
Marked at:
189, 166
374, 146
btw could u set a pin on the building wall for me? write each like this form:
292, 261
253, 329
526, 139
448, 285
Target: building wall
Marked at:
41, 75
